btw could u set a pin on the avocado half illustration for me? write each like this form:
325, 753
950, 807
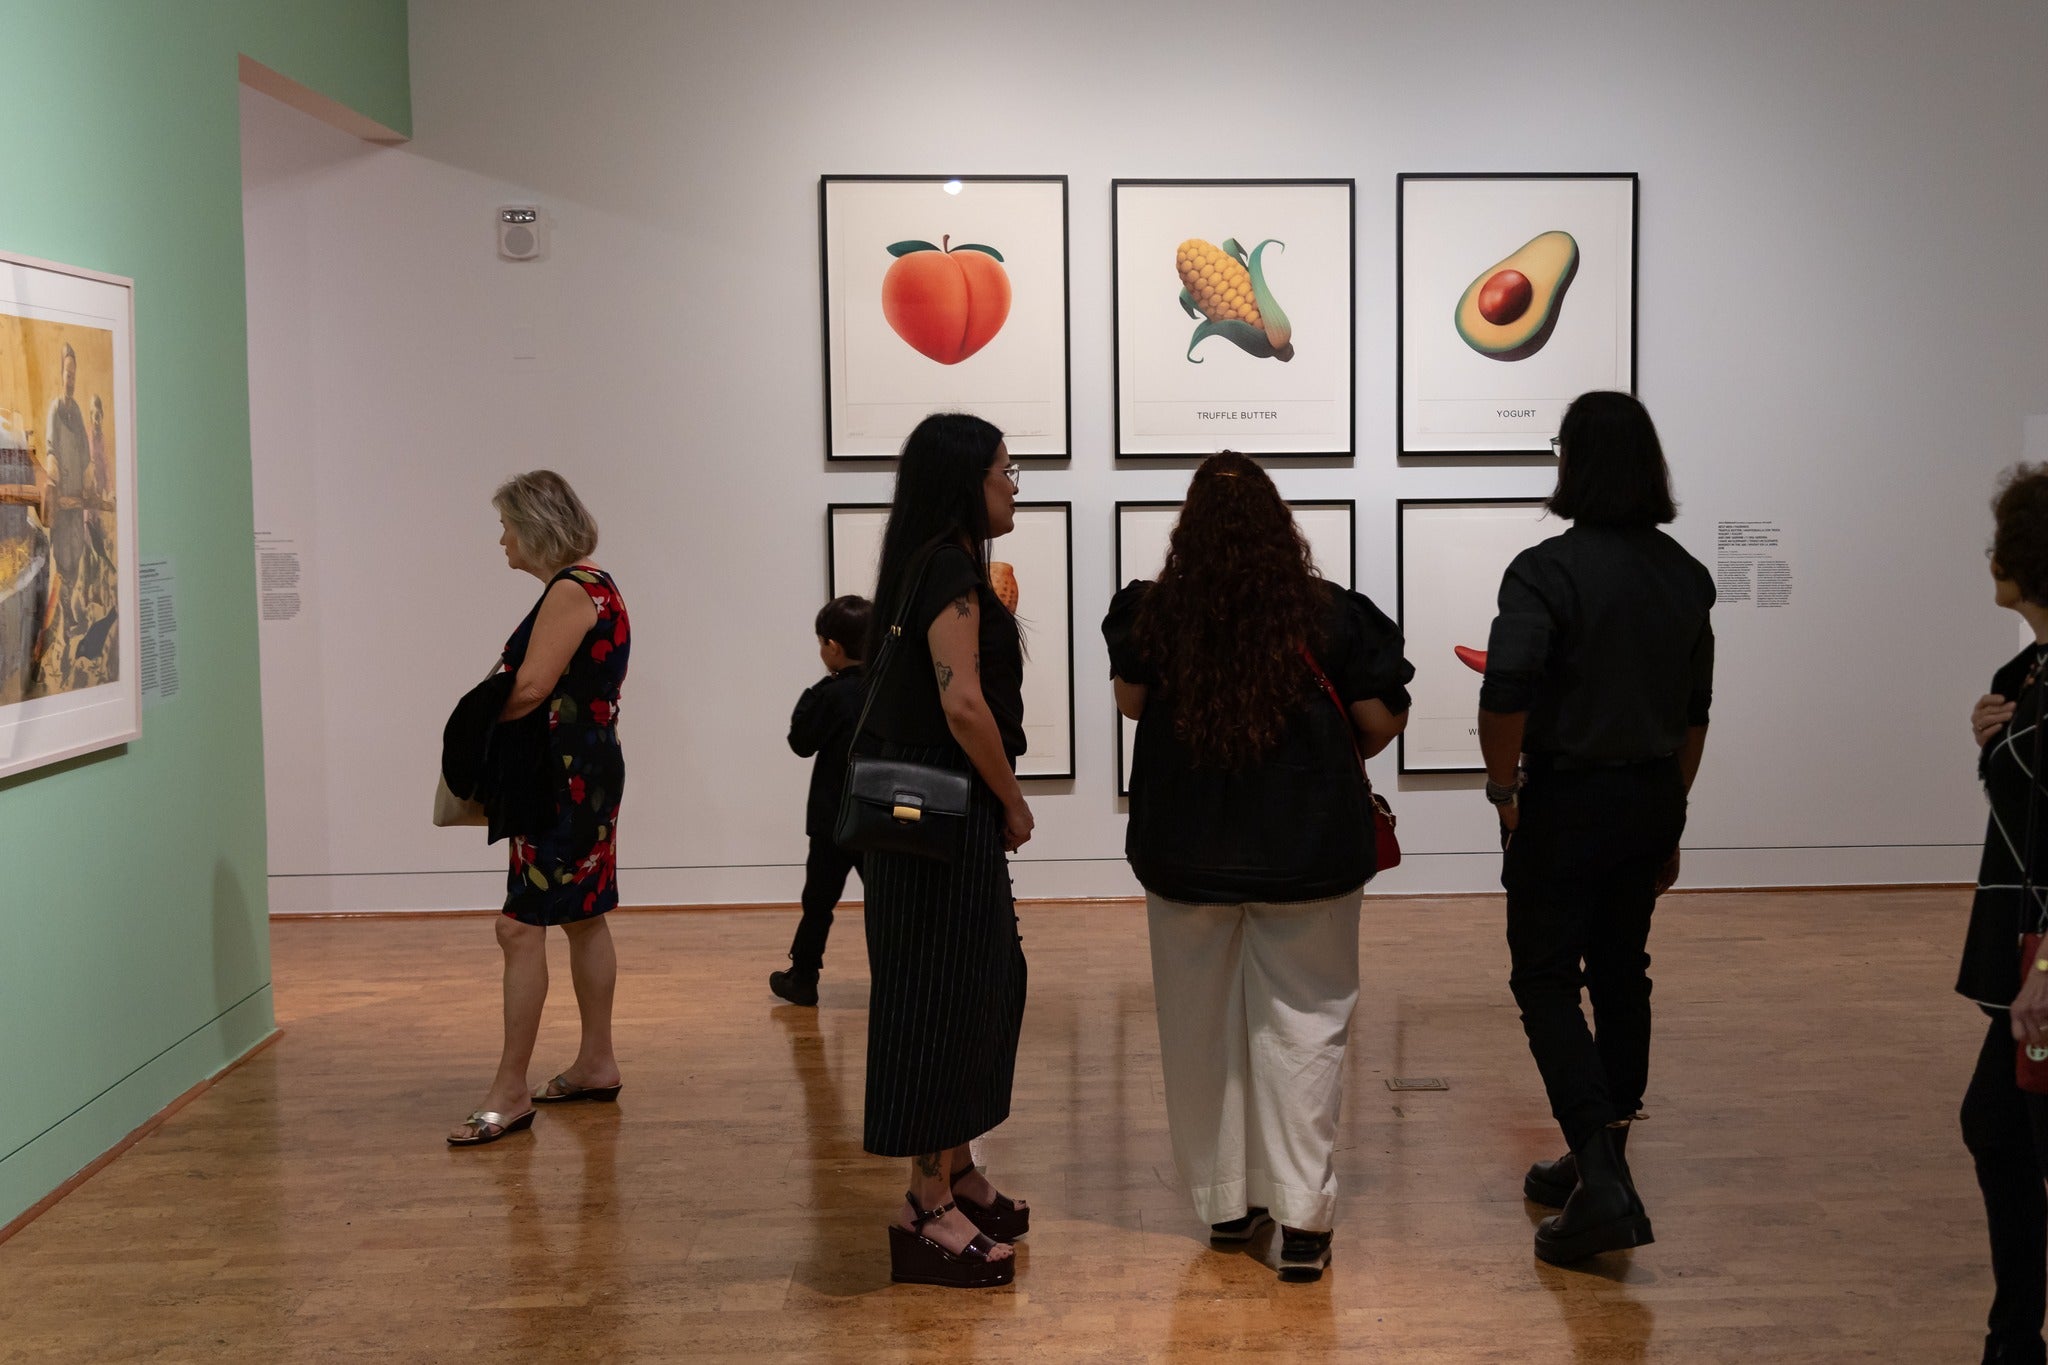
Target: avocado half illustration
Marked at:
1509, 311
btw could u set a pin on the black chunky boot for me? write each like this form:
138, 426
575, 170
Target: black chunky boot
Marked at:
1550, 1183
796, 986
1603, 1212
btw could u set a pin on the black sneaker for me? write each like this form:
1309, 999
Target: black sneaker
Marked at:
796, 988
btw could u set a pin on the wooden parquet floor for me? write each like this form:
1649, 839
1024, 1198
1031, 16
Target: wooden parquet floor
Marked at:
1811, 1197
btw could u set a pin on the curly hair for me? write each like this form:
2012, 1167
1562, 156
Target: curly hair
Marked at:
2019, 545
1238, 600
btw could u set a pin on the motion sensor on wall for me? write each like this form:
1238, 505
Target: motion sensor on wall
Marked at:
521, 236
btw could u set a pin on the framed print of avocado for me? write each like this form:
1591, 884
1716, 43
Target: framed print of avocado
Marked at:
1491, 348
1284, 386
944, 293
1031, 573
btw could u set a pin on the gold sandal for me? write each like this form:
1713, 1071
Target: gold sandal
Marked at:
559, 1091
484, 1119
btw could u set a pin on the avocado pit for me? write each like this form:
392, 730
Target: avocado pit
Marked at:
1505, 297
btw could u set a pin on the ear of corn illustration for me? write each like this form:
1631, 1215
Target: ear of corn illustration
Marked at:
1225, 290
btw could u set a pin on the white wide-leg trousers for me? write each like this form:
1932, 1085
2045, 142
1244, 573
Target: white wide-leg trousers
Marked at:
1255, 1007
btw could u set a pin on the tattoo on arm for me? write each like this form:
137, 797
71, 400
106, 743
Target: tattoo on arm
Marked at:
945, 672
928, 1165
963, 605
977, 663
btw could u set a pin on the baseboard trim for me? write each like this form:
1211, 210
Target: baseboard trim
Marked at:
148, 1126
1129, 902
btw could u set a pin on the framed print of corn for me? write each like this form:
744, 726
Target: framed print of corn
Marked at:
1235, 317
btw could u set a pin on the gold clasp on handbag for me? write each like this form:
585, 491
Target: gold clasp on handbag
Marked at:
909, 815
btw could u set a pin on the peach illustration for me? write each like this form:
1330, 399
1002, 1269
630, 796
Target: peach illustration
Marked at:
946, 301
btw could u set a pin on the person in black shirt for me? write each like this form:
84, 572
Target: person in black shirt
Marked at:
2006, 1128
946, 1002
1251, 830
1592, 720
822, 724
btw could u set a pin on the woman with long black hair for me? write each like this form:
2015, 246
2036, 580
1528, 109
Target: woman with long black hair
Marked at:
946, 962
1256, 685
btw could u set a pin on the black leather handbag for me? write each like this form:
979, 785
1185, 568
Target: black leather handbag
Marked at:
889, 805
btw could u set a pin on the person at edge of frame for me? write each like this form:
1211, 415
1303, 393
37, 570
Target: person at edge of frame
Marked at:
2005, 1127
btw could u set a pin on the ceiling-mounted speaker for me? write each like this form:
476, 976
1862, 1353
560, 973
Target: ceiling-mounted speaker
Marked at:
519, 233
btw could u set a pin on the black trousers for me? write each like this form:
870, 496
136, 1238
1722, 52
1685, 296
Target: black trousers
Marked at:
2006, 1130
1581, 877
824, 882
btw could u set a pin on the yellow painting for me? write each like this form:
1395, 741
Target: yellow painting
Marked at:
59, 513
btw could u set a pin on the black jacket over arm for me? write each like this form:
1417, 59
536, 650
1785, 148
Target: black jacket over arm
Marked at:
501, 765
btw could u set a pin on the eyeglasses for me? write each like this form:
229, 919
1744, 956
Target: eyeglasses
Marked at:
1015, 474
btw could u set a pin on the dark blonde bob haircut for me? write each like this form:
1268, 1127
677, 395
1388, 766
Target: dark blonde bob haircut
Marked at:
554, 528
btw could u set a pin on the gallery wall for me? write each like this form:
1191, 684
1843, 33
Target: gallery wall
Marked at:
133, 898
1839, 304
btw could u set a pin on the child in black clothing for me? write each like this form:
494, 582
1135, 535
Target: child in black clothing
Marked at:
822, 724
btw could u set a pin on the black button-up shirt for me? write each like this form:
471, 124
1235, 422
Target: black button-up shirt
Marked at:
1604, 639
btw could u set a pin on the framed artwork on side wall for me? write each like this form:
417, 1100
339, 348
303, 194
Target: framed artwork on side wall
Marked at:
1032, 571
1515, 294
1235, 325
1450, 557
944, 294
70, 677
1143, 530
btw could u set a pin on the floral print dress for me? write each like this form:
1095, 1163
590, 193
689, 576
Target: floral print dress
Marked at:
570, 871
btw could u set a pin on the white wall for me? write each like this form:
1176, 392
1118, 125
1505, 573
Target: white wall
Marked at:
1841, 304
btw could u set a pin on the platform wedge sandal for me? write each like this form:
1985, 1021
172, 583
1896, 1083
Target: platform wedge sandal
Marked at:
916, 1259
1002, 1218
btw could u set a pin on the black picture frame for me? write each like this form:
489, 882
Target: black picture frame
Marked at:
826, 183
1235, 440
1525, 449
1350, 506
1065, 769
1401, 614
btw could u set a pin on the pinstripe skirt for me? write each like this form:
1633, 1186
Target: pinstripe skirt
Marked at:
947, 999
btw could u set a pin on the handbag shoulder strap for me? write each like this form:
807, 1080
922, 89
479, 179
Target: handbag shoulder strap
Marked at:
891, 639
1343, 713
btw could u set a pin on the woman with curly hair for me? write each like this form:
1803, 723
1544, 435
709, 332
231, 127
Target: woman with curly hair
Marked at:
2005, 1127
1251, 830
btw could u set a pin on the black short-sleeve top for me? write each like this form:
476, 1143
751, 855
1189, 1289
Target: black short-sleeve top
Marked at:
1294, 826
906, 705
1604, 638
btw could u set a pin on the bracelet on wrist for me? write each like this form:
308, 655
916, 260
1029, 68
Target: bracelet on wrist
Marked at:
1503, 794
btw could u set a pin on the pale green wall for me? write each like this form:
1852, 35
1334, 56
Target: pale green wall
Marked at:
134, 947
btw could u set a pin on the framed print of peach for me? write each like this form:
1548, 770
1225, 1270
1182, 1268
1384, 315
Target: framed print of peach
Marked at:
944, 293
